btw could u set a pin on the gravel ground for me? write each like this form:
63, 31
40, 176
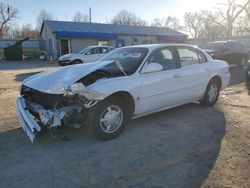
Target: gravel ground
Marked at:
188, 146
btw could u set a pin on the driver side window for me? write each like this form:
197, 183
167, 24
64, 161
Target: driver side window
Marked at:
93, 51
165, 58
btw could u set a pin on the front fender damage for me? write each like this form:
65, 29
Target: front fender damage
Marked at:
69, 108
81, 90
86, 98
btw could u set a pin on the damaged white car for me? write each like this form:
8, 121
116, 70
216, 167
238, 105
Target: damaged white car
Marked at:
127, 83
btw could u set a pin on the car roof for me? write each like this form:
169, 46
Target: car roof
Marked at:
94, 46
154, 46
225, 41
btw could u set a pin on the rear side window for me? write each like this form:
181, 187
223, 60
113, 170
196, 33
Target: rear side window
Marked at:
190, 56
94, 51
104, 50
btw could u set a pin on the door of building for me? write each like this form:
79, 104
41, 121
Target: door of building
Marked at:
64, 43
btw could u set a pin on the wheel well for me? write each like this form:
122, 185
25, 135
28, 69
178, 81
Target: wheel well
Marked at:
127, 99
217, 78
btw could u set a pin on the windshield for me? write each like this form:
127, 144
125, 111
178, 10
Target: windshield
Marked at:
84, 50
129, 58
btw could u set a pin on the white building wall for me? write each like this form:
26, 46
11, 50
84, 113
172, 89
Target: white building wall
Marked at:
77, 44
49, 41
138, 39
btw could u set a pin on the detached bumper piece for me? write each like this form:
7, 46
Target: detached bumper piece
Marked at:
29, 125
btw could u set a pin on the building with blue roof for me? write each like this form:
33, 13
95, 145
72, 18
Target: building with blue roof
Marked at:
62, 37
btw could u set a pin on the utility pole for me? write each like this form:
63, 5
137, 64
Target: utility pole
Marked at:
90, 16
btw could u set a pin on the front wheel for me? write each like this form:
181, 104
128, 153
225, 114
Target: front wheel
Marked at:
77, 61
212, 93
107, 118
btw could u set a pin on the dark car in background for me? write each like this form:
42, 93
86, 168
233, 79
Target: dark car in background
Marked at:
248, 78
233, 52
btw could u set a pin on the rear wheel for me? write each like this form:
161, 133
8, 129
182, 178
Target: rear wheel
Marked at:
107, 118
212, 93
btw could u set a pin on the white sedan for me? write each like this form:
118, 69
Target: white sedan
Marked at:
128, 82
86, 55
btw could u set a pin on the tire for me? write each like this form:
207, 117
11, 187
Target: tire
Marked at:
212, 93
107, 119
77, 61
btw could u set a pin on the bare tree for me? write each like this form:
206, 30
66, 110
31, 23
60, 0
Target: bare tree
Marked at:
43, 15
28, 31
233, 11
125, 17
7, 15
80, 17
213, 25
158, 22
193, 23
204, 24
171, 22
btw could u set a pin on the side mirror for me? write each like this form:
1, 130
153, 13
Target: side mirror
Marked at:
152, 67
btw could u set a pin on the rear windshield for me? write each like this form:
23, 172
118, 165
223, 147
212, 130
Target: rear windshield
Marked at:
215, 46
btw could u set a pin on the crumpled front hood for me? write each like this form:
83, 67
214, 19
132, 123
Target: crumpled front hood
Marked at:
55, 81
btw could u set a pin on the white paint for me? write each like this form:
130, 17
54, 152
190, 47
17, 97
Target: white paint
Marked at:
151, 92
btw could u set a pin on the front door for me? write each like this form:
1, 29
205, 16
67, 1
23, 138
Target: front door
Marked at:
161, 89
92, 55
64, 43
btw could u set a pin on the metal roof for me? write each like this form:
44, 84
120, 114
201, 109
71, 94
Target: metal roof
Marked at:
65, 26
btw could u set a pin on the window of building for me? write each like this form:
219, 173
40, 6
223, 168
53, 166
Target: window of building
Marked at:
147, 42
102, 43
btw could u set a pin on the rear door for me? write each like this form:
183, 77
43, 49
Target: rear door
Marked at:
195, 72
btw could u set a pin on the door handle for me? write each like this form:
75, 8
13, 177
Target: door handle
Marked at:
177, 75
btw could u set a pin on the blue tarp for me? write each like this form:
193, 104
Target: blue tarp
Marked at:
76, 34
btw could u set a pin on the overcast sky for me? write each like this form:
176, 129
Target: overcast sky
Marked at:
104, 10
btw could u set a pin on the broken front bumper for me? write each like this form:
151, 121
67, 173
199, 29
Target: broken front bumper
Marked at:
47, 117
29, 125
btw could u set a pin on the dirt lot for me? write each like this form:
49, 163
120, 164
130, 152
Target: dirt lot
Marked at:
189, 146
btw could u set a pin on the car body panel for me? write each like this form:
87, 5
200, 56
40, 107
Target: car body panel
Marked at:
248, 77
